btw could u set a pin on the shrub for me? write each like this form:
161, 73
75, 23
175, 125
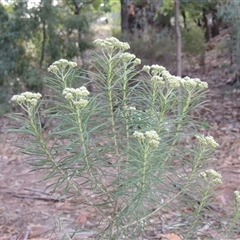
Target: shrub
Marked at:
155, 46
132, 153
193, 44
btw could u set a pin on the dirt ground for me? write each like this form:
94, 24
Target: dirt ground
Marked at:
28, 211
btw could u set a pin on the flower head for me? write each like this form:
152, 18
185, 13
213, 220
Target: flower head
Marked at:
191, 83
152, 135
203, 85
77, 96
82, 92
82, 103
146, 69
157, 69
137, 61
150, 138
237, 195
215, 177
111, 43
138, 135
207, 141
130, 108
166, 74
128, 57
157, 80
154, 70
61, 64
173, 81
153, 143
28, 99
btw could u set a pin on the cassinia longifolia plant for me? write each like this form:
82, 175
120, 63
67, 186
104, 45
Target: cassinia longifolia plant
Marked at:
129, 151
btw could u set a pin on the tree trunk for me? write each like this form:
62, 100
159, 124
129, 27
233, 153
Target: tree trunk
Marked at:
179, 38
124, 16
216, 23
43, 43
205, 25
184, 18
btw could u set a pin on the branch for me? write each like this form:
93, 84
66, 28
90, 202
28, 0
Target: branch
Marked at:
35, 196
85, 3
77, 9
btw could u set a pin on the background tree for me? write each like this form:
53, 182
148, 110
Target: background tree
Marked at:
15, 42
33, 36
179, 38
230, 14
204, 14
124, 15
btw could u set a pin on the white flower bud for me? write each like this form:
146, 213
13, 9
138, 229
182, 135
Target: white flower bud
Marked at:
152, 135
138, 135
82, 103
207, 141
146, 69
153, 143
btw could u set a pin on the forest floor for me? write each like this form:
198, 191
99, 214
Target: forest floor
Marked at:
27, 210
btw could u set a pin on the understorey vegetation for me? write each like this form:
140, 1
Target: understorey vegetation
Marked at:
130, 151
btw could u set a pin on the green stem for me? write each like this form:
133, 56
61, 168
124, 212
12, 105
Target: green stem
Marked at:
124, 98
199, 209
81, 133
46, 151
162, 113
234, 220
51, 158
100, 185
110, 101
171, 199
144, 168
182, 115
111, 107
153, 96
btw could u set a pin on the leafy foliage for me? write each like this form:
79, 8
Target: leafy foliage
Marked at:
230, 14
33, 37
193, 43
135, 148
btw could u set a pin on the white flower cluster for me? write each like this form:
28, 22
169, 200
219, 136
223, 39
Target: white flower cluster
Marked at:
216, 177
61, 64
190, 83
77, 96
130, 108
127, 111
79, 92
158, 81
28, 98
207, 141
128, 57
154, 69
186, 82
237, 195
152, 137
139, 135
160, 74
173, 81
111, 43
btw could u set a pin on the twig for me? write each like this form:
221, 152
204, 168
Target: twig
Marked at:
37, 191
37, 197
26, 235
